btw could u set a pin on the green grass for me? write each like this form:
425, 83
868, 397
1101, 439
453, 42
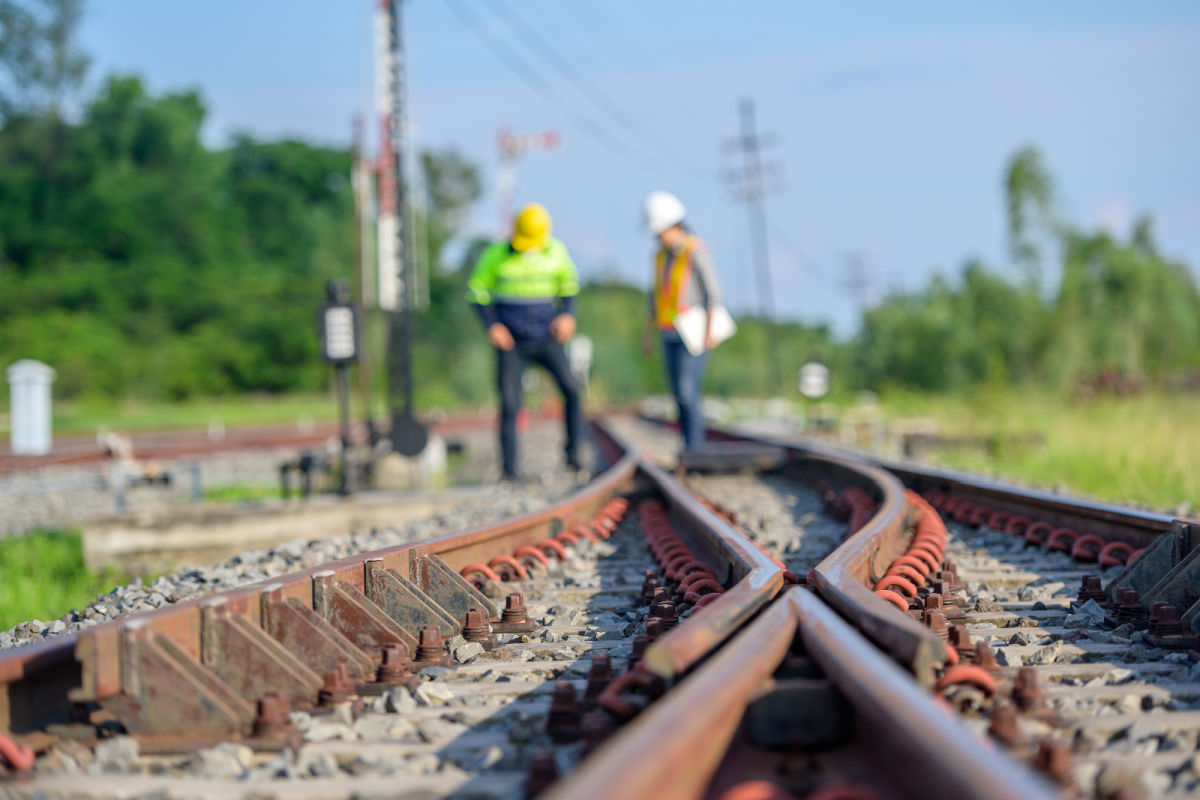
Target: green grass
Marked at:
42, 576
236, 410
1143, 450
241, 494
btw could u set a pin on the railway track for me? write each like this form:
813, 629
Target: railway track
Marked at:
705, 672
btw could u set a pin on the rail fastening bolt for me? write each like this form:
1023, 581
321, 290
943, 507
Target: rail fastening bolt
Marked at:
1004, 727
1053, 759
393, 668
1027, 694
666, 613
476, 628
431, 646
596, 726
514, 609
562, 720
599, 676
1170, 623
984, 657
273, 720
1090, 588
543, 772
960, 640
336, 687
936, 622
654, 628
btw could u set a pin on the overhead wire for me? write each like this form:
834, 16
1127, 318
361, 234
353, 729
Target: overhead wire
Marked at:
566, 67
535, 81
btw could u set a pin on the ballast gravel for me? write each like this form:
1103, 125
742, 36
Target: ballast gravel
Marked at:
1101, 712
548, 481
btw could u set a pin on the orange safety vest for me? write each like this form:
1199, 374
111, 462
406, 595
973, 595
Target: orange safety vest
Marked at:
669, 289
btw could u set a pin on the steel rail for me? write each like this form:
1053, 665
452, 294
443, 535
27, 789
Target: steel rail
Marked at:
1106, 520
39, 682
674, 749
752, 578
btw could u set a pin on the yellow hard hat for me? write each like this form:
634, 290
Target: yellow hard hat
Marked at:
532, 228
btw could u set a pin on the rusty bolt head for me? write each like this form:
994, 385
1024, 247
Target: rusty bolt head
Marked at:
640, 642
1170, 623
596, 726
393, 668
657, 595
943, 587
476, 627
273, 720
562, 721
933, 602
599, 676
1027, 694
960, 640
936, 622
1090, 588
654, 628
666, 613
984, 657
335, 686
431, 646
1003, 727
514, 609
1053, 759
543, 772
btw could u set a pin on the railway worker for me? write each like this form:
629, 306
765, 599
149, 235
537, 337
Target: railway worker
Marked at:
684, 279
524, 290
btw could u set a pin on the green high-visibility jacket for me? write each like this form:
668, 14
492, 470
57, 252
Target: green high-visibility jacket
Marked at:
503, 275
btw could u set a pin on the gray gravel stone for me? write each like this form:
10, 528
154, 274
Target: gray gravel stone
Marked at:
433, 694
400, 701
118, 754
465, 652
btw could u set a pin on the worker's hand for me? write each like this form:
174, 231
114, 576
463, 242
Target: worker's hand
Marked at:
710, 341
562, 327
499, 336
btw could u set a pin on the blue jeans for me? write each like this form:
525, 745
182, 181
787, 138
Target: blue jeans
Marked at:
510, 368
685, 374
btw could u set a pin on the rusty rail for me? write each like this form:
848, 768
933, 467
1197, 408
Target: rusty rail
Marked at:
689, 731
39, 683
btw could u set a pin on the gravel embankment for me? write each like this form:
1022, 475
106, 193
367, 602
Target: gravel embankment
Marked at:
542, 460
1117, 702
467, 730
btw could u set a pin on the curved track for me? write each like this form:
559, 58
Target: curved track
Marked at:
701, 673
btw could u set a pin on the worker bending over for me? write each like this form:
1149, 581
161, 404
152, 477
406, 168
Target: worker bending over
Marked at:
524, 290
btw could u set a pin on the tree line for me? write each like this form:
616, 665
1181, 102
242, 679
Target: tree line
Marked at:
140, 262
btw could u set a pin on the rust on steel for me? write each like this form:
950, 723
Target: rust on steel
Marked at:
752, 577
845, 576
672, 749
758, 579
39, 682
925, 751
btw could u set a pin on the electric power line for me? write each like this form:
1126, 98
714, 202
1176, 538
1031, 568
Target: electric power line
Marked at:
534, 80
599, 97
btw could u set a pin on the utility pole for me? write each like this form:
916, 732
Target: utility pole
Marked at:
408, 435
748, 186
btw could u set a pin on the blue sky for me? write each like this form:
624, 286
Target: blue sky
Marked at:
894, 120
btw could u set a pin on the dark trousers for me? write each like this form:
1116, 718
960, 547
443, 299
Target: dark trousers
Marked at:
685, 374
510, 369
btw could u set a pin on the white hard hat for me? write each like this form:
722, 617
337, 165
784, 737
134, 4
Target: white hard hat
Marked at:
663, 210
